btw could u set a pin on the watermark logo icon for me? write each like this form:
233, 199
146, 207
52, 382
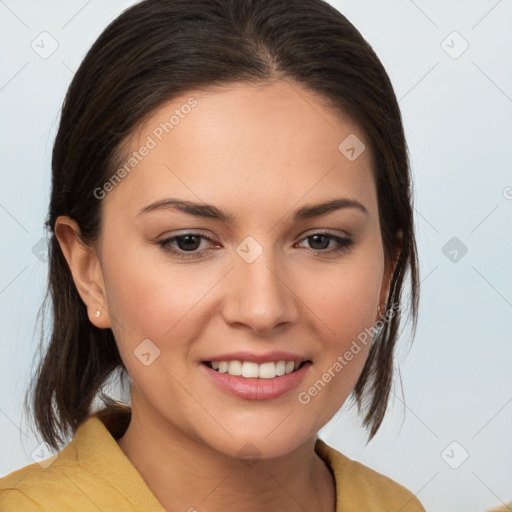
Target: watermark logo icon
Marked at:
351, 147
44, 45
454, 249
249, 454
454, 45
454, 455
40, 250
42, 454
249, 250
147, 352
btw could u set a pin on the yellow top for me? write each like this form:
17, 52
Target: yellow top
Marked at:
93, 474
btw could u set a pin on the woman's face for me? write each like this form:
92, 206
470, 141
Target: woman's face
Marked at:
273, 281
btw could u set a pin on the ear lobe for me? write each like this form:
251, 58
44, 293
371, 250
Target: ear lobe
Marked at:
85, 268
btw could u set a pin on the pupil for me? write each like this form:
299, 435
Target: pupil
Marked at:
184, 246
315, 239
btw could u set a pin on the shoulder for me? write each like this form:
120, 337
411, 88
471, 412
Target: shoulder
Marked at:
41, 486
62, 481
13, 499
359, 487
91, 473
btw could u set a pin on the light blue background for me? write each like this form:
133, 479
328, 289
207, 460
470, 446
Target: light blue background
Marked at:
457, 113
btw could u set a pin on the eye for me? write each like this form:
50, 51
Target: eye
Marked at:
187, 245
319, 243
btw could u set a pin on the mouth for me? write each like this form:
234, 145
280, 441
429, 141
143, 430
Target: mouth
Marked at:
253, 375
253, 370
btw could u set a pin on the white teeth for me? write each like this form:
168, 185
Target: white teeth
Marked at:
267, 371
235, 368
290, 365
249, 369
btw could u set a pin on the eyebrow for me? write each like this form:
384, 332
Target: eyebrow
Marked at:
212, 212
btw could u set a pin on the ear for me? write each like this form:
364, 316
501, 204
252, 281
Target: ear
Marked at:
85, 268
389, 271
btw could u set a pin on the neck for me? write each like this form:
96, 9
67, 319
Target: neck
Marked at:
186, 474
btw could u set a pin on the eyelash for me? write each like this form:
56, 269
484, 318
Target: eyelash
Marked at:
344, 245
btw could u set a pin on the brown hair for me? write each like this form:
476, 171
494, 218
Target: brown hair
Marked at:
153, 52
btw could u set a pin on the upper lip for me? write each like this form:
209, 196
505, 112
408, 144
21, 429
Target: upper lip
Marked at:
258, 358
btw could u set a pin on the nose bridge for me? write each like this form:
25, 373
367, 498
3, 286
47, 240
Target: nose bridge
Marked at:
259, 296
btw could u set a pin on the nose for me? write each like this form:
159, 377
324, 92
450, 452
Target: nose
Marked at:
260, 296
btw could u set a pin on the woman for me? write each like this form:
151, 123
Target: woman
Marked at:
231, 224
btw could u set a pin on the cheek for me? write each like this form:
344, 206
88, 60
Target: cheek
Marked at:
346, 309
345, 301
147, 298
163, 301
344, 297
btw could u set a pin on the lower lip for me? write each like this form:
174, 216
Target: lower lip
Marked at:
256, 388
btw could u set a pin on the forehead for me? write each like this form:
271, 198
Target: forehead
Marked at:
268, 144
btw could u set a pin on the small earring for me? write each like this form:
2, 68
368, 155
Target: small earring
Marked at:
378, 309
98, 313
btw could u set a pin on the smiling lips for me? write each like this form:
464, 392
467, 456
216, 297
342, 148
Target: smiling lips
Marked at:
257, 377
249, 369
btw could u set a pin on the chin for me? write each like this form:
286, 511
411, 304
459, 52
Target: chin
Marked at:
261, 440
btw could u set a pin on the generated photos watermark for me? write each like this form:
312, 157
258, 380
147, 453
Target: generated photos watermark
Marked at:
151, 142
304, 397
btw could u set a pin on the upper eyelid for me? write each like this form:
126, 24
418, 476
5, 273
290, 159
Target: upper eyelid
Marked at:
307, 234
303, 236
344, 243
